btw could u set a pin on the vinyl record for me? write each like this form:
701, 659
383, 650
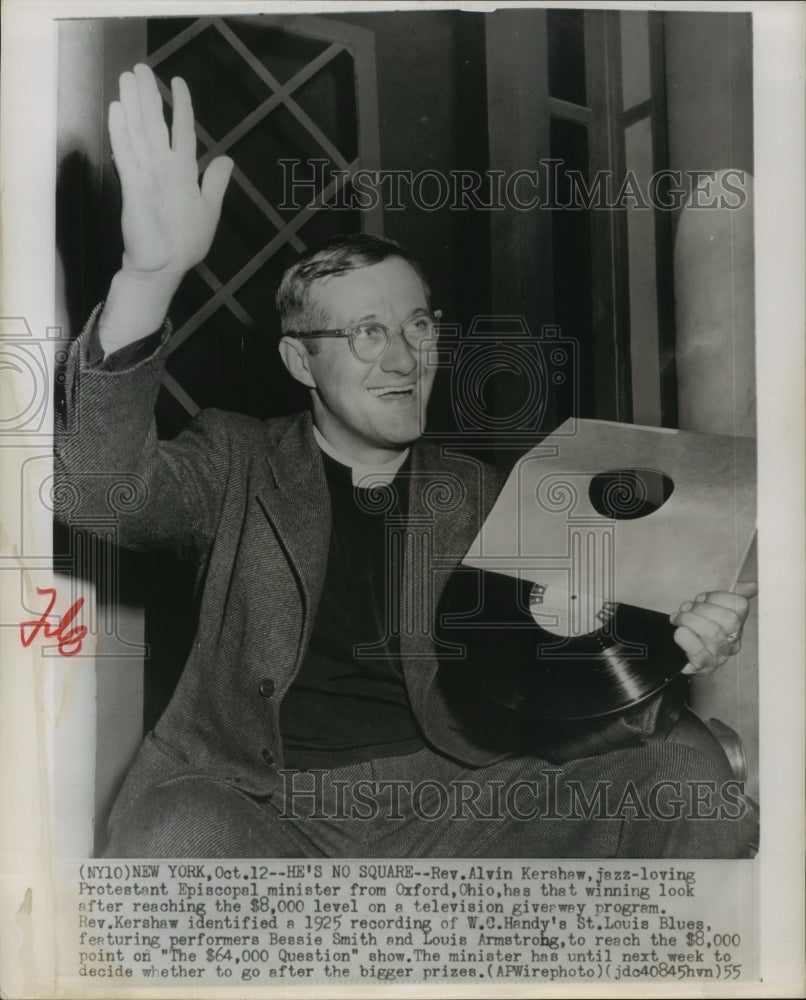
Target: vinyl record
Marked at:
489, 643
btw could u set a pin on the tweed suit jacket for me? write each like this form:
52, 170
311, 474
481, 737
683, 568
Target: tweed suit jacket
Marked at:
248, 501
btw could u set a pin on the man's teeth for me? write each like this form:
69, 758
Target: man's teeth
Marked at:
391, 390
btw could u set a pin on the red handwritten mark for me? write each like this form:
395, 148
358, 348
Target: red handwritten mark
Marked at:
67, 639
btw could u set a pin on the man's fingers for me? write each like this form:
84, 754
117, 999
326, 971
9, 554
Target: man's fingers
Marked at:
183, 131
700, 658
215, 181
125, 159
725, 599
154, 127
709, 627
709, 621
736, 600
130, 100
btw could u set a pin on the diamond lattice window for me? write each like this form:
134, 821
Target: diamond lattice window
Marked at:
284, 97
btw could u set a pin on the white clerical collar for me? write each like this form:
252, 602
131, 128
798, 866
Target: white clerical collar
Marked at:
363, 475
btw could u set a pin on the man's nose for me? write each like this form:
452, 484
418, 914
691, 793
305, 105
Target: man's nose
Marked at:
399, 356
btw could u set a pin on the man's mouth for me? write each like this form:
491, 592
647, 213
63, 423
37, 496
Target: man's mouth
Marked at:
393, 391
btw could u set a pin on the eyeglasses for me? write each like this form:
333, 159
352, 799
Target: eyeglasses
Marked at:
369, 341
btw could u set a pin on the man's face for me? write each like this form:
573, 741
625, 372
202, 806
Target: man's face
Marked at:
369, 410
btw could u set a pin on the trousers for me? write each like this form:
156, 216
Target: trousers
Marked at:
651, 801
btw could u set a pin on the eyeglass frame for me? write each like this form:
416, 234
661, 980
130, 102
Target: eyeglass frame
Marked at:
348, 332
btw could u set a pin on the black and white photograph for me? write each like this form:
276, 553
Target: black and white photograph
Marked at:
394, 488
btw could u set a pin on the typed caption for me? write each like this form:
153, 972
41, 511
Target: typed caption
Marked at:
284, 923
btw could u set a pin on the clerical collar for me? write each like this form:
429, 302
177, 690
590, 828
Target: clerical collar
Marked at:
362, 475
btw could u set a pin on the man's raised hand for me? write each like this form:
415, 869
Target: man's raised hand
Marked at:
168, 220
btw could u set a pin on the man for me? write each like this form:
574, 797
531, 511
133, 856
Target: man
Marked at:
310, 719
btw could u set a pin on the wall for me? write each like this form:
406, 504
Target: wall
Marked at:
709, 87
432, 96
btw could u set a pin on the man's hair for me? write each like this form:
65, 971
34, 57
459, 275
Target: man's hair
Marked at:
339, 255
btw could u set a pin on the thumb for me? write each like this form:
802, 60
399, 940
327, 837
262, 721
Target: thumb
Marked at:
746, 588
214, 183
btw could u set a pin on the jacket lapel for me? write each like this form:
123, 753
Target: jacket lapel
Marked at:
444, 497
449, 497
296, 501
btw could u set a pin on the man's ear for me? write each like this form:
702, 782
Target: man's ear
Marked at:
297, 360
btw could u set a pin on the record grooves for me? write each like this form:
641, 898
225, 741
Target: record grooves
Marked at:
514, 663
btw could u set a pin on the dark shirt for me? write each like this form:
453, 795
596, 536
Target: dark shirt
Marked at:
348, 705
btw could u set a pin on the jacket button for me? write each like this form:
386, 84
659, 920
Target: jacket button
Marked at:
266, 687
267, 755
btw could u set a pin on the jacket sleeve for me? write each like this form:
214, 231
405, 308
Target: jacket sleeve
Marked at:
110, 466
